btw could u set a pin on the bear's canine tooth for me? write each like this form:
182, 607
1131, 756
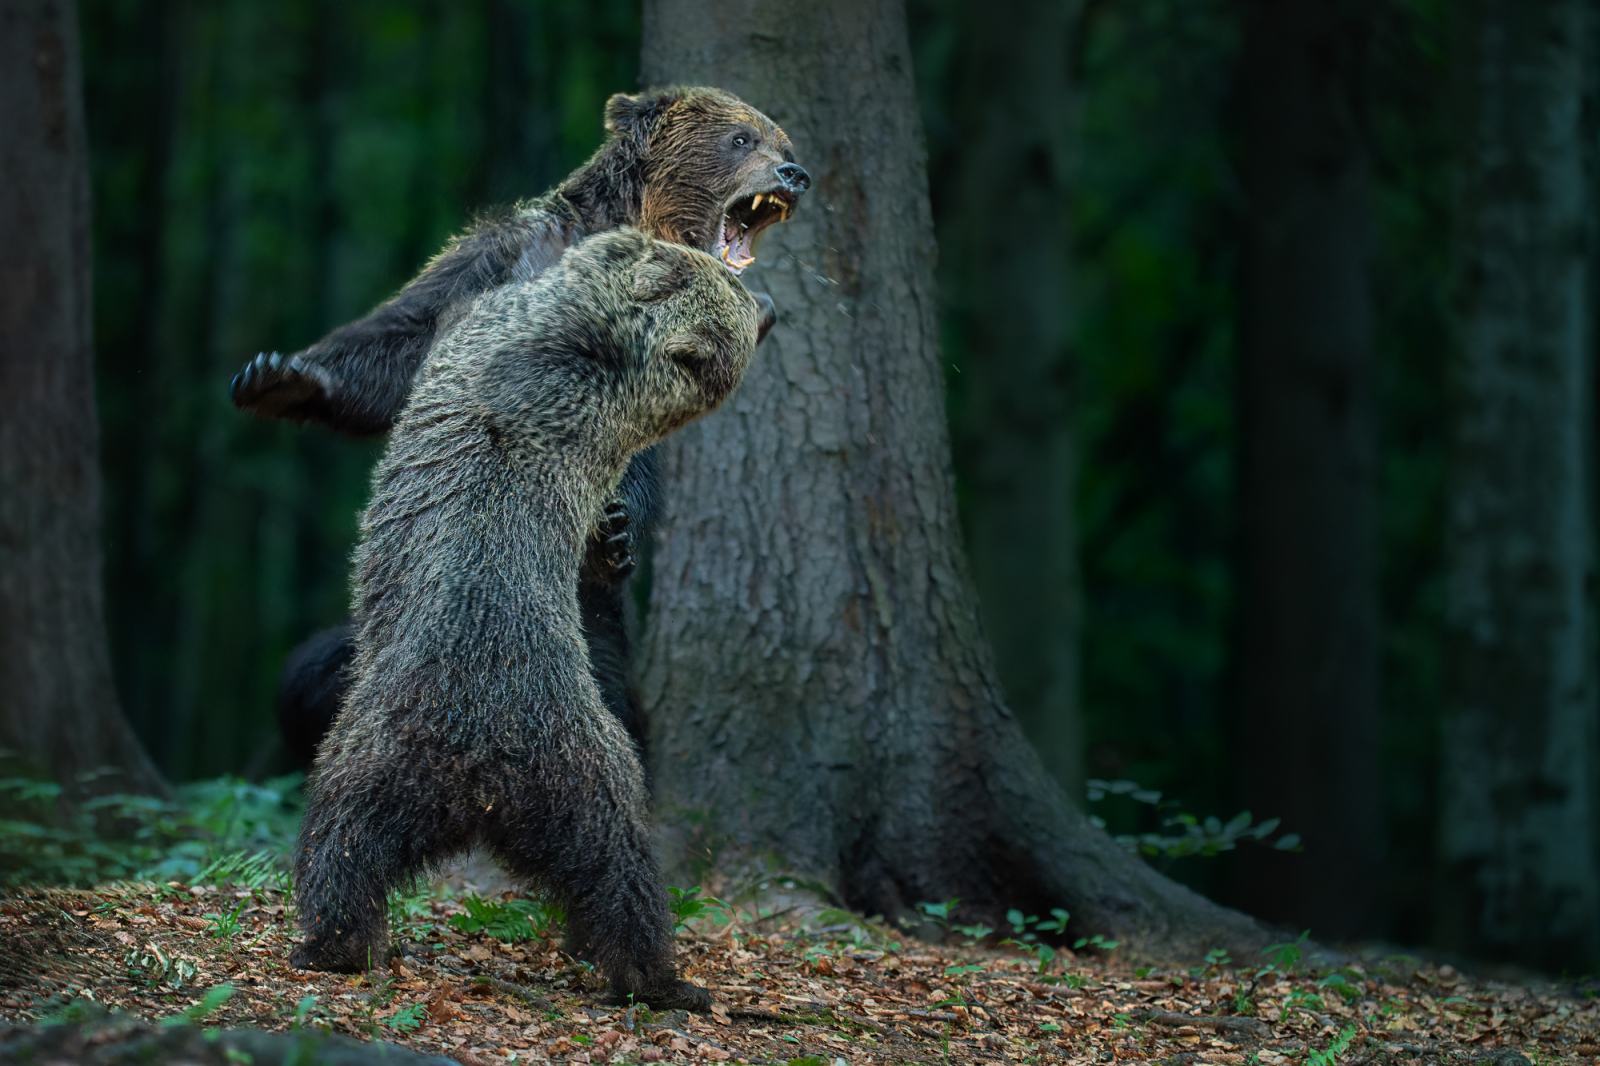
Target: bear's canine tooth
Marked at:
755, 201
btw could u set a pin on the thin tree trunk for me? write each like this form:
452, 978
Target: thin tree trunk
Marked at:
819, 690
1308, 649
59, 706
1007, 269
1521, 767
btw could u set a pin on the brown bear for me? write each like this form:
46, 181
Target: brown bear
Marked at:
474, 717
696, 166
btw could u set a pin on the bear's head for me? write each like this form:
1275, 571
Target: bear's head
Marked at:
622, 341
702, 334
715, 171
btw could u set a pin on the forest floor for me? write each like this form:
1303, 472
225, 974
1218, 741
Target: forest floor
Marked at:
482, 983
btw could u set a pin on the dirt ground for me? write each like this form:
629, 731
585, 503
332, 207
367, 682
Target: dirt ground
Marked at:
849, 993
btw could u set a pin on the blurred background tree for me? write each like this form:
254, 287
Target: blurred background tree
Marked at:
1202, 355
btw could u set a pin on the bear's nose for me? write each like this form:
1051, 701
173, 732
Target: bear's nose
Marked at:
794, 176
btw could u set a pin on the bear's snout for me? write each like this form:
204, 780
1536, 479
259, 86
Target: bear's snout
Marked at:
794, 177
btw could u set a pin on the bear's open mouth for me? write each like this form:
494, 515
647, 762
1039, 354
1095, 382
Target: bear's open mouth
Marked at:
743, 221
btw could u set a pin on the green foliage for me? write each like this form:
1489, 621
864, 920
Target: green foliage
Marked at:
306, 1014
1329, 1055
1285, 956
687, 904
1097, 942
1185, 834
226, 926
221, 831
245, 869
207, 1005
70, 1012
409, 913
1340, 982
510, 920
1025, 930
939, 913
407, 1019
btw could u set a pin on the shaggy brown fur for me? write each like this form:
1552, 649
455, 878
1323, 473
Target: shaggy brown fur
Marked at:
683, 164
474, 716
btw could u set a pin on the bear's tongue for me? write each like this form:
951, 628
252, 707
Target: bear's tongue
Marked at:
736, 245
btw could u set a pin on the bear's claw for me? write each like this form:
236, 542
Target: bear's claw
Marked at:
614, 541
275, 384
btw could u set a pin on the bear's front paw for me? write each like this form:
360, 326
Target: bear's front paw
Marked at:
276, 385
612, 545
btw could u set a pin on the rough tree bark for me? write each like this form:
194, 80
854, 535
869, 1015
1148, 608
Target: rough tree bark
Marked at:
1308, 578
1521, 762
820, 693
1015, 440
58, 705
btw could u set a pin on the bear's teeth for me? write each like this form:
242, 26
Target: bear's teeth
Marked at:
755, 202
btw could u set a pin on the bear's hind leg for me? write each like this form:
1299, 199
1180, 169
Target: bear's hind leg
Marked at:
590, 846
358, 841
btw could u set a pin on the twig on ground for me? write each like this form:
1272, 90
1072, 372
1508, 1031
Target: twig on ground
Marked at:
515, 991
1236, 1026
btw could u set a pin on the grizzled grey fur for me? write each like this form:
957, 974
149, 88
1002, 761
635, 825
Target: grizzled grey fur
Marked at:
473, 715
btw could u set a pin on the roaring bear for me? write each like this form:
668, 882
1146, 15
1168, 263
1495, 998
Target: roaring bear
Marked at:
695, 166
473, 716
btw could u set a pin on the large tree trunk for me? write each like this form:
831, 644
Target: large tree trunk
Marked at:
1521, 767
58, 706
819, 690
1007, 248
1308, 648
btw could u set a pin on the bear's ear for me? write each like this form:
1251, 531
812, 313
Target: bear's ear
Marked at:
659, 275
635, 115
681, 348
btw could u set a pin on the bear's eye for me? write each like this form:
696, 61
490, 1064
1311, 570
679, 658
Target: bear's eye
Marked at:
741, 141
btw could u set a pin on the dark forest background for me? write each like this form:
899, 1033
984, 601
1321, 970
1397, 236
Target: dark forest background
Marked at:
1169, 237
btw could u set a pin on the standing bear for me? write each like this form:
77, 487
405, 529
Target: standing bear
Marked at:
473, 716
696, 166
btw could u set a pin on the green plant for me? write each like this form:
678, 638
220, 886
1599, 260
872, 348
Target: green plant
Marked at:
69, 1012
208, 1003
409, 913
1300, 999
226, 926
244, 869
224, 830
1340, 982
306, 1014
1025, 930
1285, 956
687, 904
512, 920
407, 1019
1329, 1055
1183, 834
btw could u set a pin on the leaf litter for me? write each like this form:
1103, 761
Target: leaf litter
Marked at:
857, 993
